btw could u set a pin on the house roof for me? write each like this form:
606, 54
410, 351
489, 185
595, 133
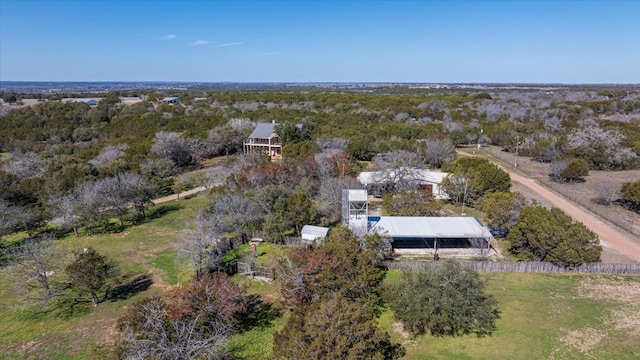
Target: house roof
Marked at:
313, 231
263, 131
267, 130
399, 227
423, 176
170, 98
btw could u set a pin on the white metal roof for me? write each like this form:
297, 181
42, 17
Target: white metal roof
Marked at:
430, 227
357, 194
263, 131
416, 175
267, 130
313, 231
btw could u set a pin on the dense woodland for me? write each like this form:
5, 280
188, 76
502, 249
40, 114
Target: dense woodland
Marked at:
70, 169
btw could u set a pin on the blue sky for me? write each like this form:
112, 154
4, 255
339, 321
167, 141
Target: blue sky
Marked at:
321, 41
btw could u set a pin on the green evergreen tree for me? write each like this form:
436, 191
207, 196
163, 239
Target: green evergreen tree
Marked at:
631, 194
444, 301
502, 209
551, 236
576, 170
334, 328
89, 272
336, 287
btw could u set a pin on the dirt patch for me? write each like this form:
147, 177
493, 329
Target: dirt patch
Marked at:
610, 289
399, 329
625, 316
158, 280
584, 340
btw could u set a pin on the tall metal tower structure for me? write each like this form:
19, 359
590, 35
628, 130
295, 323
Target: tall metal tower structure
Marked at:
355, 209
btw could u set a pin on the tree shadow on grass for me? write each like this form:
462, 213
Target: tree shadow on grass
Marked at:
259, 314
134, 285
155, 212
69, 308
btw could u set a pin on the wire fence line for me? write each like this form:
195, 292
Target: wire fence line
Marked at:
253, 270
523, 267
600, 210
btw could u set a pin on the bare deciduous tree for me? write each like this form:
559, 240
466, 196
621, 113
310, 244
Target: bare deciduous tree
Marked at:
438, 151
228, 138
608, 194
234, 212
63, 209
601, 148
396, 169
330, 197
9, 217
107, 155
157, 337
36, 265
203, 246
171, 146
25, 165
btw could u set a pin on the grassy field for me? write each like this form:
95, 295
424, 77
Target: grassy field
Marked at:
145, 254
543, 316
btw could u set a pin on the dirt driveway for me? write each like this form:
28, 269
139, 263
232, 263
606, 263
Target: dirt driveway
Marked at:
617, 246
609, 236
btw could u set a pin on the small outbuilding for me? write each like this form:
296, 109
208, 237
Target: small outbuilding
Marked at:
310, 233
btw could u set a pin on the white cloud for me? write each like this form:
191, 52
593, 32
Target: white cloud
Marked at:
200, 42
231, 44
170, 37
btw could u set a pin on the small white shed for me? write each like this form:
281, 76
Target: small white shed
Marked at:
310, 233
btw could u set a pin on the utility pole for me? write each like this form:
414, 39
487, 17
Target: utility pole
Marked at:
515, 166
464, 197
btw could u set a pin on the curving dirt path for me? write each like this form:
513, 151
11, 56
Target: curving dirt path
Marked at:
182, 194
609, 236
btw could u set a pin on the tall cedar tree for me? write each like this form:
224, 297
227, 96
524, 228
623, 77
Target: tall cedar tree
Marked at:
336, 288
411, 202
549, 235
335, 328
502, 209
444, 300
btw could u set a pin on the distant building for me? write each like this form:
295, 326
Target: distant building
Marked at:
88, 101
418, 178
264, 140
172, 100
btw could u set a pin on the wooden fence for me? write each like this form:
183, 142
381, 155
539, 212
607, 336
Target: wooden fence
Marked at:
292, 241
523, 267
253, 270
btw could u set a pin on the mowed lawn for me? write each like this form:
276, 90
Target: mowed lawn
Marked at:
543, 316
